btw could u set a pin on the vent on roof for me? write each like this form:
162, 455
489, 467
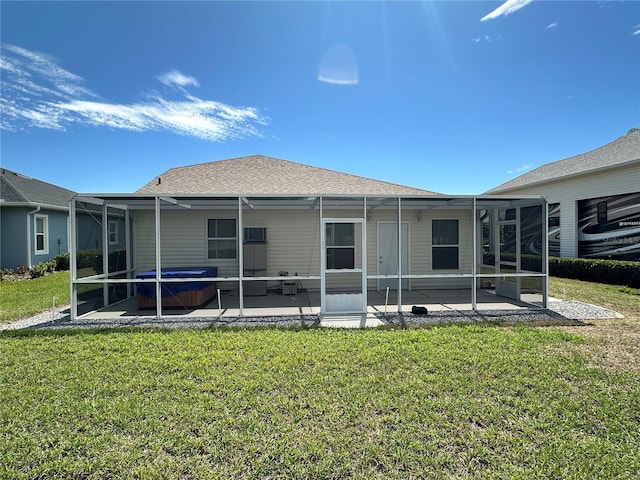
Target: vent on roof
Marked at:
159, 180
633, 130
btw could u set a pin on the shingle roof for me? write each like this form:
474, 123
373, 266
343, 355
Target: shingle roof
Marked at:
20, 189
623, 150
263, 175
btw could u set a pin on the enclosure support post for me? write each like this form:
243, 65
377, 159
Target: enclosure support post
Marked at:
545, 253
399, 255
364, 255
105, 254
240, 259
73, 266
158, 260
322, 258
128, 245
474, 256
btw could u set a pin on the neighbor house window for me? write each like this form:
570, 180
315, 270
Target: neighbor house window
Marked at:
113, 233
444, 244
221, 238
341, 246
602, 213
41, 234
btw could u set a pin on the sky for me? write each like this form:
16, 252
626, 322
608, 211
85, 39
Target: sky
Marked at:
455, 97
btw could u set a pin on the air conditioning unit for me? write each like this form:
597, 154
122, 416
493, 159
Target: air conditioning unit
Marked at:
255, 234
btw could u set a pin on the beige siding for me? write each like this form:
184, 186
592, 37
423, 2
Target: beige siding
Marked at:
293, 240
622, 180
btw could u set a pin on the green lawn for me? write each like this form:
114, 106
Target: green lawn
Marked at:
447, 402
29, 297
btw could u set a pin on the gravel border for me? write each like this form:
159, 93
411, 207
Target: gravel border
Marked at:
559, 312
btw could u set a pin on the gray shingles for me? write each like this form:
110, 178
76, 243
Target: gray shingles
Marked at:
625, 149
260, 174
16, 188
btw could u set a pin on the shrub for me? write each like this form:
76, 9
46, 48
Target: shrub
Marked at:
93, 259
615, 272
61, 262
5, 272
40, 269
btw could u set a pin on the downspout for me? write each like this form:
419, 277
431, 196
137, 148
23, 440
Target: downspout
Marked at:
36, 210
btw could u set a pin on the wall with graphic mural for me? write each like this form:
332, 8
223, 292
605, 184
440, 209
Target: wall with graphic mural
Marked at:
609, 227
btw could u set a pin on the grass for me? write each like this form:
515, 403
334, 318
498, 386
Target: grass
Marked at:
448, 402
28, 297
470, 401
612, 344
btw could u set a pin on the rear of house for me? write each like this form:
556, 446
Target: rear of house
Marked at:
259, 226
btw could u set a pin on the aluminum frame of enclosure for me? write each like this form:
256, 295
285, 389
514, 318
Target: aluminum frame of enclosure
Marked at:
117, 284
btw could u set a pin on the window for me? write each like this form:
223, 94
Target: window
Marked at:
113, 233
602, 213
221, 238
341, 246
41, 234
444, 244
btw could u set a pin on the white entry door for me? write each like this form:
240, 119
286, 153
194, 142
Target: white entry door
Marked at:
388, 254
343, 271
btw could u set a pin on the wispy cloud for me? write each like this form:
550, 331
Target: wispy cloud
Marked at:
552, 25
38, 93
520, 169
174, 77
636, 30
482, 38
506, 8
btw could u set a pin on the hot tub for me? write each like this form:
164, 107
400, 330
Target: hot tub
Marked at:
177, 294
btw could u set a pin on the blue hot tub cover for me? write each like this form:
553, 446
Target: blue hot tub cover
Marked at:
170, 289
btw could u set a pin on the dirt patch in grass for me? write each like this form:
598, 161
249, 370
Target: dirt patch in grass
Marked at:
614, 343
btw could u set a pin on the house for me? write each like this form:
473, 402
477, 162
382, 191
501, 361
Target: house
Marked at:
33, 220
260, 236
594, 200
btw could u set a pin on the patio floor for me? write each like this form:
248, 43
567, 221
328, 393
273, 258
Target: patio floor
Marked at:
308, 303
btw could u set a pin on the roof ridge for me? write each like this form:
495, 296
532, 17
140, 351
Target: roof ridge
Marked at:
291, 162
621, 151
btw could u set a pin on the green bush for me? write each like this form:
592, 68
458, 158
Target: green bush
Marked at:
40, 269
61, 262
614, 272
93, 259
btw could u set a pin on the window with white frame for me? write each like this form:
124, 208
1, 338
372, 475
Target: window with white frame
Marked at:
444, 244
113, 232
221, 238
341, 246
41, 234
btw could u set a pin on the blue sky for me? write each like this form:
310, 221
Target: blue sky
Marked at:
454, 97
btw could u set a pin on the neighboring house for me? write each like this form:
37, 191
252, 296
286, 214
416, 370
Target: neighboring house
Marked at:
262, 223
33, 220
594, 200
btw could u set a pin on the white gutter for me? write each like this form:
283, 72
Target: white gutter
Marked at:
36, 210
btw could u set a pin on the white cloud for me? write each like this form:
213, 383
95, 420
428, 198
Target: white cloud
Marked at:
552, 25
522, 168
481, 38
506, 8
38, 93
174, 77
636, 30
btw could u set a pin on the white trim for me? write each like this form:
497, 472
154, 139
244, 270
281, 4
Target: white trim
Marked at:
45, 234
115, 232
447, 245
